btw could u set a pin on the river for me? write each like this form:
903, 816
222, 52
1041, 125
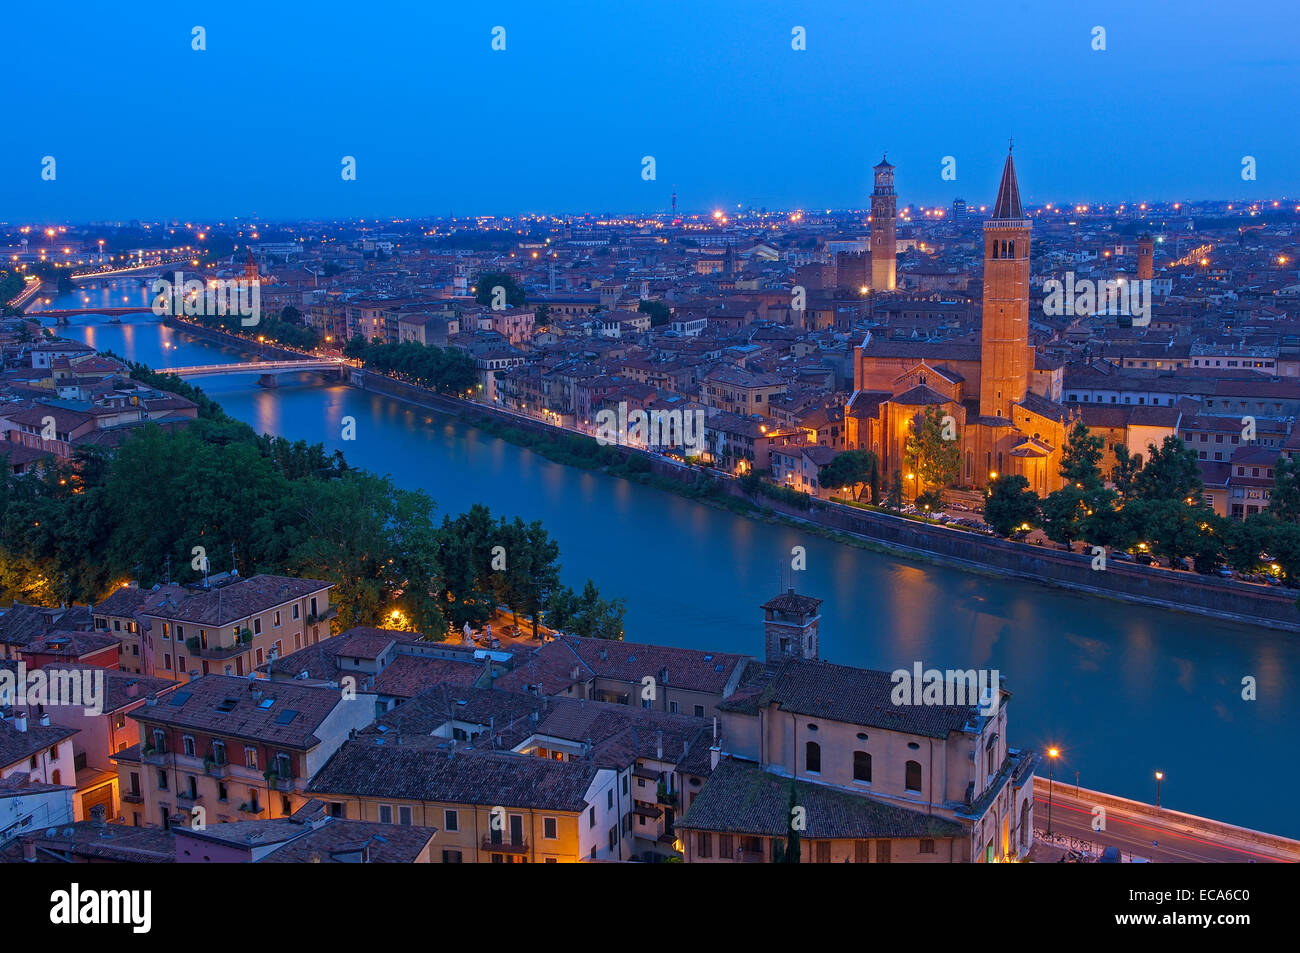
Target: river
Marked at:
1122, 690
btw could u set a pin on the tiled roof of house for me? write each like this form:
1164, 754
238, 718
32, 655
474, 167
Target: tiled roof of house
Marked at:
278, 713
691, 669
238, 600
857, 696
740, 797
373, 766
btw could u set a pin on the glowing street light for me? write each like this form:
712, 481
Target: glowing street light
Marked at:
1160, 776
1052, 755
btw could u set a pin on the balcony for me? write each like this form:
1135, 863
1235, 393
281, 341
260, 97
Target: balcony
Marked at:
187, 797
505, 847
155, 756
216, 770
133, 797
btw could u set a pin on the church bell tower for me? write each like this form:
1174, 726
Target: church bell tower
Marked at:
1006, 359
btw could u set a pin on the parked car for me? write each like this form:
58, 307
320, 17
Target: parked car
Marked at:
1122, 556
1225, 572
1145, 559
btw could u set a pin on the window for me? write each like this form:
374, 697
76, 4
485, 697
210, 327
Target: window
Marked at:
823, 852
609, 799
162, 780
276, 622
295, 610
699, 711
882, 851
591, 818
257, 626
862, 766
927, 846
219, 752
385, 814
703, 844
250, 757
613, 837
451, 820
724, 845
404, 815
187, 744
550, 828
451, 857
913, 780
812, 761
862, 851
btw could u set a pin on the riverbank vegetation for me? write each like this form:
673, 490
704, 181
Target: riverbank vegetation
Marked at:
168, 497
1154, 506
445, 370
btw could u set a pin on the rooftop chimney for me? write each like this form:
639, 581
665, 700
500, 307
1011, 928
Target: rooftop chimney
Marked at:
132, 689
20, 720
44, 720
98, 815
151, 699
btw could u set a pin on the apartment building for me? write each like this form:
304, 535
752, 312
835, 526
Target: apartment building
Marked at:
237, 748
233, 625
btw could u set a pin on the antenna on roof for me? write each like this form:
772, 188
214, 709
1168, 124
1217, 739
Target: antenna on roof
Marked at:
169, 569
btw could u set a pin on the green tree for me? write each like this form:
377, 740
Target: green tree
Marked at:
488, 280
936, 460
1124, 473
1080, 458
1010, 504
1284, 501
853, 469
1171, 472
1063, 513
660, 313
894, 498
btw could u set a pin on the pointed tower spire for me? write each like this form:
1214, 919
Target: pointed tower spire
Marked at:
1008, 204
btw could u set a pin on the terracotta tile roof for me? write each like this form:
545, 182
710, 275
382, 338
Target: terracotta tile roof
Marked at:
690, 669
238, 600
856, 696
740, 797
278, 713
16, 746
408, 675
370, 766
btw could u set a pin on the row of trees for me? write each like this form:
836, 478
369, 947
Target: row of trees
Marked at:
74, 531
446, 370
1157, 503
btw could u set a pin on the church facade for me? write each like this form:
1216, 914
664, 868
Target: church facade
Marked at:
1003, 398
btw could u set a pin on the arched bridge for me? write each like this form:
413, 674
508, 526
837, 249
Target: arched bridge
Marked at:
267, 369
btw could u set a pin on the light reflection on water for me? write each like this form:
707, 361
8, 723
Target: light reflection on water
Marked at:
1123, 690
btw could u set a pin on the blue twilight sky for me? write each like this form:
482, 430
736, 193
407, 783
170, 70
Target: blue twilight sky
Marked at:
142, 126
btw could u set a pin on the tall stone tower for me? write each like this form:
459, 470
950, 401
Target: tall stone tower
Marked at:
1005, 356
884, 222
790, 626
1146, 258
250, 268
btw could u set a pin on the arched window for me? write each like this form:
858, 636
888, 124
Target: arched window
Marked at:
812, 759
1011, 249
861, 766
54, 777
913, 780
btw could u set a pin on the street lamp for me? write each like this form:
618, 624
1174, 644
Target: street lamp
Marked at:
1160, 776
1052, 755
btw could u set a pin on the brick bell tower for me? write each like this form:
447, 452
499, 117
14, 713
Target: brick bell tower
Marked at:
790, 627
1146, 257
1005, 356
884, 227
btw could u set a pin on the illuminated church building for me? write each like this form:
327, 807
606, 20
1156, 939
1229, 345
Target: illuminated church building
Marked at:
1004, 398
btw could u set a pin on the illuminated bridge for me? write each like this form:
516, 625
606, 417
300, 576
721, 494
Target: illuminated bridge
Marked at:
266, 369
